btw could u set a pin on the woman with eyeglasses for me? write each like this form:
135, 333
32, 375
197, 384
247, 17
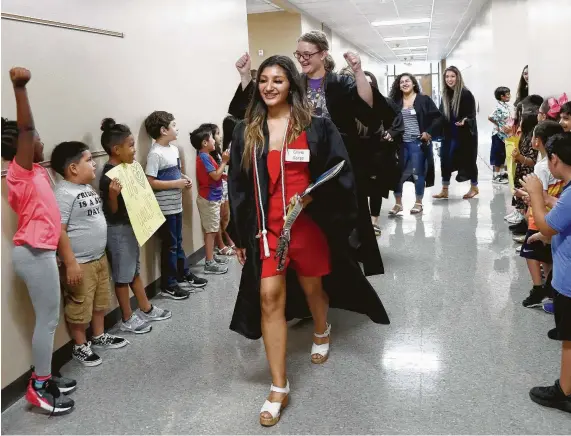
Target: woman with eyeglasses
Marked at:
342, 99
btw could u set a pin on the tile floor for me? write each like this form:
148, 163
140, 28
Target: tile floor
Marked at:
459, 357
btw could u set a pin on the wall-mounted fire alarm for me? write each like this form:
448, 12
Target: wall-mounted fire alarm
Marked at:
260, 52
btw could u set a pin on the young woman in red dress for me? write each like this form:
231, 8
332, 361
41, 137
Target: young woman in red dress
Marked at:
277, 151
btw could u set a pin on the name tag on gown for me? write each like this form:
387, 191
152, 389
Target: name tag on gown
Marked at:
293, 155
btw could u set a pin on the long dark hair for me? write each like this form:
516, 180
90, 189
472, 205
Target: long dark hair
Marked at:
371, 76
451, 97
258, 111
530, 103
395, 93
522, 87
528, 122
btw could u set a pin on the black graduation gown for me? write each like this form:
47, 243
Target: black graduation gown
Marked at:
383, 169
429, 120
344, 105
334, 209
466, 155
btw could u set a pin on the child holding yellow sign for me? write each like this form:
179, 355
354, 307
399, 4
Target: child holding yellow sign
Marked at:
122, 245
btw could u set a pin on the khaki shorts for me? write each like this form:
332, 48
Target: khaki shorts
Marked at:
92, 294
209, 214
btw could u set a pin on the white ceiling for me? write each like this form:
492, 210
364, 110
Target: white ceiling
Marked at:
261, 6
352, 19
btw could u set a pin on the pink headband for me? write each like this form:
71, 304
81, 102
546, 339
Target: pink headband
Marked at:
555, 105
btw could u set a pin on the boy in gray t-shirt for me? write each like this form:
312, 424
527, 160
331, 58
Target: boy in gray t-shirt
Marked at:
165, 177
82, 250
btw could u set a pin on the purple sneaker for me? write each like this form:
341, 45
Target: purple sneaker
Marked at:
548, 307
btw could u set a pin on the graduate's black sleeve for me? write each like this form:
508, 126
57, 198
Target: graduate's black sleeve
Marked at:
239, 190
241, 100
337, 198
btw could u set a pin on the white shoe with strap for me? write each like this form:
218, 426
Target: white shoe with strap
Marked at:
321, 350
274, 409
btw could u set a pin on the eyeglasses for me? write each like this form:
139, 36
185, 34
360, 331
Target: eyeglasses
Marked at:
305, 56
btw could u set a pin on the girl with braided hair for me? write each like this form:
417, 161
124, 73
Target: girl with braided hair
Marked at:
34, 255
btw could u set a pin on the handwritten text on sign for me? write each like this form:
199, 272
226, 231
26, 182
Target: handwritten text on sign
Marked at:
144, 211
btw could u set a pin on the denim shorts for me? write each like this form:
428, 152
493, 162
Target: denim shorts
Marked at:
123, 252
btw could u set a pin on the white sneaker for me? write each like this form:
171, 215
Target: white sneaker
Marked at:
516, 218
136, 325
156, 314
510, 215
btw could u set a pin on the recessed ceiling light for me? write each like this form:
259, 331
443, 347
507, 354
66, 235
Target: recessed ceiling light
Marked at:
401, 22
420, 47
404, 38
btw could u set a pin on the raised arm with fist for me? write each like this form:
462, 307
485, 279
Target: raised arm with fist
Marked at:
354, 61
20, 77
244, 66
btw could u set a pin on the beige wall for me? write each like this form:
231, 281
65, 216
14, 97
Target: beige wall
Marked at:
274, 33
173, 55
506, 36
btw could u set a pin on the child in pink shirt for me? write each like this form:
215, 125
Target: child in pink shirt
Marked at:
35, 243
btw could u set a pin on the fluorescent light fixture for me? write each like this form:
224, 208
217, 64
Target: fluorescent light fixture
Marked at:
401, 22
410, 55
404, 38
420, 47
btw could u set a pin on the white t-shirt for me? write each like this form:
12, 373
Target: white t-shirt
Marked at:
163, 163
541, 169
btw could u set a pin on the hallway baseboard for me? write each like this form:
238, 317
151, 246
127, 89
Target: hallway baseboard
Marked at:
17, 389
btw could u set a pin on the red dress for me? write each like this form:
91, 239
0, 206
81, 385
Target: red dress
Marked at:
308, 251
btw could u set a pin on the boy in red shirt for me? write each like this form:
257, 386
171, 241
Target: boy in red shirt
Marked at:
209, 176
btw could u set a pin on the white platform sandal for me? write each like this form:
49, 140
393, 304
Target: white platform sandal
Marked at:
323, 349
274, 409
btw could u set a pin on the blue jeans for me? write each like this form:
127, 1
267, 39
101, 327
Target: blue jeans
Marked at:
173, 259
414, 165
446, 158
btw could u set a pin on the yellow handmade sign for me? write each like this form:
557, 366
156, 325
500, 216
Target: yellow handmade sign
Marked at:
144, 211
511, 143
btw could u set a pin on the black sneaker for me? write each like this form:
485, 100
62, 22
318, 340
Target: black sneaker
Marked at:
85, 355
109, 341
66, 385
554, 334
551, 396
537, 297
195, 281
48, 397
175, 292
519, 228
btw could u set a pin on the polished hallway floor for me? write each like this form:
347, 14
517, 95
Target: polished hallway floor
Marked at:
459, 357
